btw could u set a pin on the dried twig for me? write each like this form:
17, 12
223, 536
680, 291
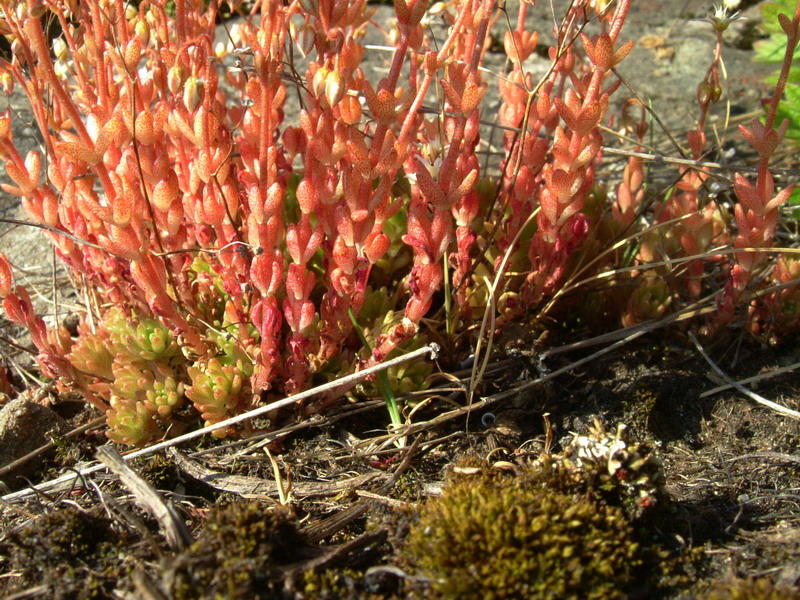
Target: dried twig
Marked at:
146, 588
327, 527
172, 526
255, 486
698, 164
31, 592
336, 554
49, 446
790, 458
753, 379
788, 412
68, 480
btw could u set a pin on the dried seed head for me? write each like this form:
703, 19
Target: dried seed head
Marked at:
722, 18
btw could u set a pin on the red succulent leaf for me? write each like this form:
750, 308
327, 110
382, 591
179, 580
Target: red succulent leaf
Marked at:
452, 95
747, 194
430, 189
622, 53
307, 196
376, 246
6, 279
473, 94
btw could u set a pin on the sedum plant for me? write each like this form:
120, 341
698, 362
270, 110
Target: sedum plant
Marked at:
224, 249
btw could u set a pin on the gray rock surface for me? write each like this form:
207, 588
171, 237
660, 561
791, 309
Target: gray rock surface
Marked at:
24, 427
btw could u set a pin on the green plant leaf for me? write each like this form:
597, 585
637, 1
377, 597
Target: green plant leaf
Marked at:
790, 109
770, 12
771, 50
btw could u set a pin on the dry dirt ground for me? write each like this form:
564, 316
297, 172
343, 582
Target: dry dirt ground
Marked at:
707, 486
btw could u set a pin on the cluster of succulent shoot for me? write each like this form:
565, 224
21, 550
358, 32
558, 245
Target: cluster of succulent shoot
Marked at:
136, 363
139, 378
174, 189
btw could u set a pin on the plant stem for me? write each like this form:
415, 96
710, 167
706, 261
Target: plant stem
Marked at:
383, 381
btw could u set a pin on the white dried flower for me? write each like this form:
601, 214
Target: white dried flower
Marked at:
721, 18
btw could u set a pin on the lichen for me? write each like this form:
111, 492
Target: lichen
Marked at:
628, 473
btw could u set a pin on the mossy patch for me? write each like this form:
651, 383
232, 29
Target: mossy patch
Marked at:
333, 584
577, 524
71, 552
492, 536
160, 471
238, 554
638, 407
750, 589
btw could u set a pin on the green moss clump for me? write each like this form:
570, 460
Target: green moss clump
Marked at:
238, 554
495, 537
159, 471
73, 553
749, 589
332, 584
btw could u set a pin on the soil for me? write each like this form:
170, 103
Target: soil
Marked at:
707, 480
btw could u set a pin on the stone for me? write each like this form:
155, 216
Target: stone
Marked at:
24, 427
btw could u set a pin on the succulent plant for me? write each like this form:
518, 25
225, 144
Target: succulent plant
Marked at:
139, 366
141, 338
219, 387
163, 396
92, 355
649, 300
130, 422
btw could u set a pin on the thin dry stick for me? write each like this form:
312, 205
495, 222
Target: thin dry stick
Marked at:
772, 455
50, 445
283, 491
69, 478
651, 111
699, 164
488, 317
788, 412
690, 312
172, 526
65, 234
490, 400
718, 251
702, 307
489, 313
259, 440
752, 379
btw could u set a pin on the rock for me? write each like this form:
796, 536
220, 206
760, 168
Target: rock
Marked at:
24, 427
